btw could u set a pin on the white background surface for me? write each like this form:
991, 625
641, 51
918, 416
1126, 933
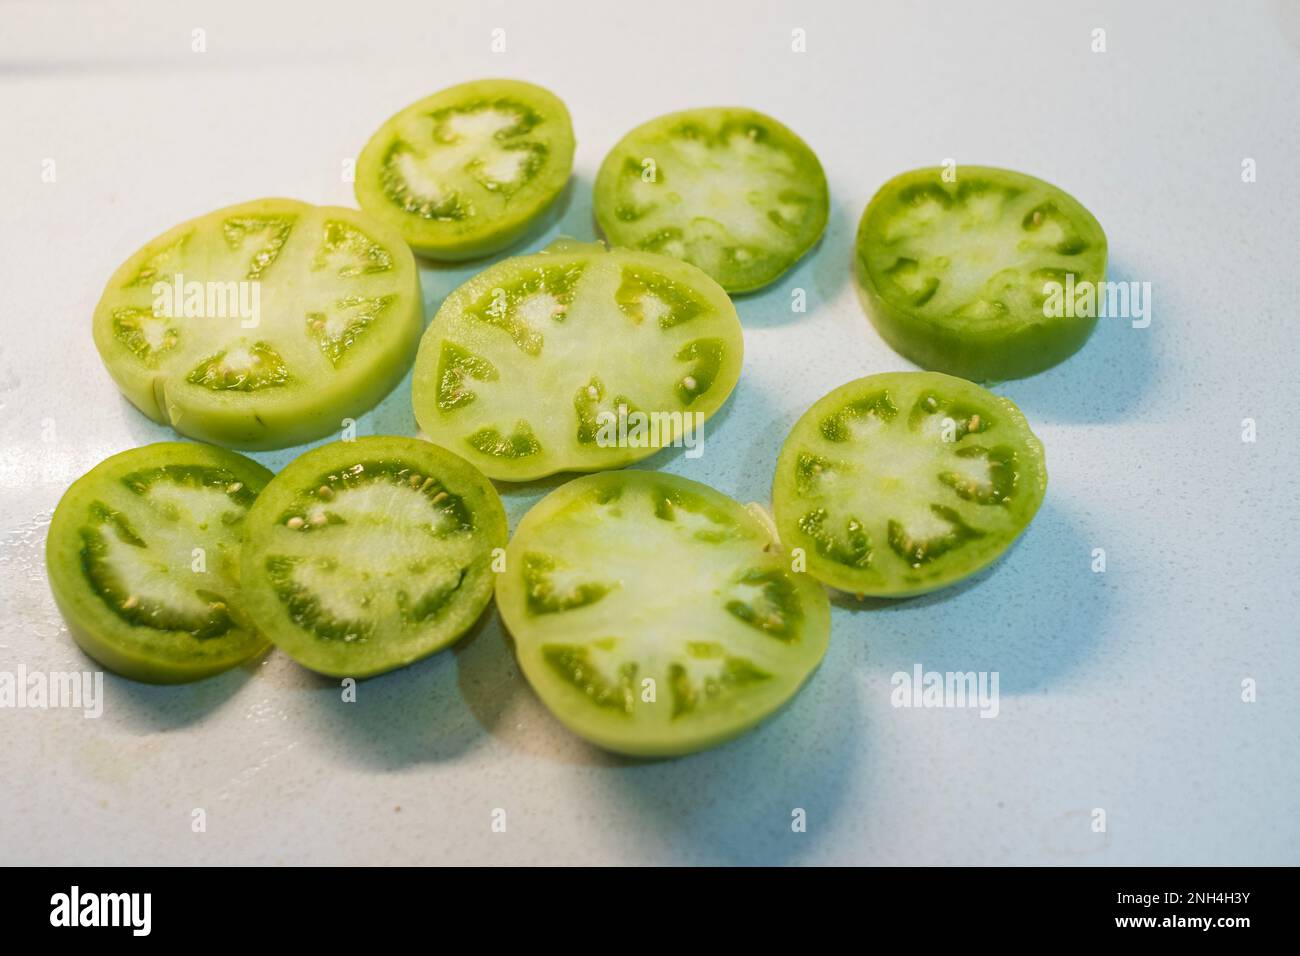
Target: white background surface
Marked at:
1119, 691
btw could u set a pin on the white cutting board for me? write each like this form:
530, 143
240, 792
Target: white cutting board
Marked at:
1119, 691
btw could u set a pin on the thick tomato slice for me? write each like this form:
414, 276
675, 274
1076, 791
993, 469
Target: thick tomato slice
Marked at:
958, 276
654, 615
262, 325
906, 482
576, 359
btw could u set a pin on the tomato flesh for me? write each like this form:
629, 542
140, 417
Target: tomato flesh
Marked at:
143, 559
654, 615
527, 362
953, 274
906, 482
731, 191
364, 556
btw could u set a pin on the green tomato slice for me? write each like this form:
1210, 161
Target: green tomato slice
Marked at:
262, 325
956, 276
364, 556
729, 190
654, 615
906, 482
463, 173
143, 559
576, 359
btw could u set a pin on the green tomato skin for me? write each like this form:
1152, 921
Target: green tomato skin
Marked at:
469, 249
989, 354
119, 647
92, 640
481, 236
977, 356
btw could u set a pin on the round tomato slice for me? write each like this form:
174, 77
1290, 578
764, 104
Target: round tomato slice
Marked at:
262, 325
364, 556
907, 482
576, 359
143, 559
729, 190
464, 173
654, 615
959, 276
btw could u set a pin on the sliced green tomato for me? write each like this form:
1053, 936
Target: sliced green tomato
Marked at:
143, 559
729, 190
364, 556
547, 363
907, 482
654, 615
956, 276
262, 325
465, 172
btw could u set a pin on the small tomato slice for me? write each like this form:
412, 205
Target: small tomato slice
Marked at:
364, 556
956, 276
654, 615
463, 173
143, 559
906, 482
729, 190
